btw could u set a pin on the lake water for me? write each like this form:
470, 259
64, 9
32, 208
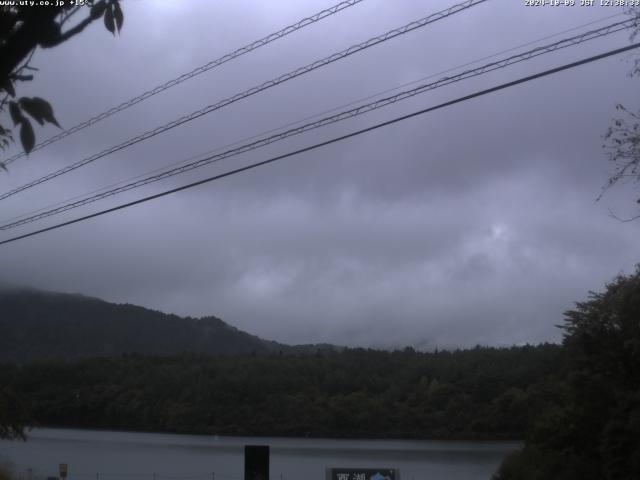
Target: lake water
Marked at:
95, 455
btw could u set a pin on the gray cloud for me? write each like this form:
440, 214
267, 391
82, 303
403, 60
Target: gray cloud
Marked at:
474, 224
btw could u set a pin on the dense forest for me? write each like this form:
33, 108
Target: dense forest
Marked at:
477, 393
577, 405
592, 429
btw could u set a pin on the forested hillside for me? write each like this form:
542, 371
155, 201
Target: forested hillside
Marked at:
591, 431
478, 393
39, 326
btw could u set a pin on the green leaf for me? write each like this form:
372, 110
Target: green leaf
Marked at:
118, 15
47, 111
108, 21
97, 10
39, 109
32, 109
16, 114
27, 137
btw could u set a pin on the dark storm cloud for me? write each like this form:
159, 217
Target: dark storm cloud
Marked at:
474, 224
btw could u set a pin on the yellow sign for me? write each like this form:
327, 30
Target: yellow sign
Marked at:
64, 469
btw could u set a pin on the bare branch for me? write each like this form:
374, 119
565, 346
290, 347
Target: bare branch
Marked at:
623, 220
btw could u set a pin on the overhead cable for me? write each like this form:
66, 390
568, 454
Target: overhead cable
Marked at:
310, 117
254, 90
196, 71
329, 142
567, 42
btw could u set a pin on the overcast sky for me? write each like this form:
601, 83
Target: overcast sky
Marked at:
475, 224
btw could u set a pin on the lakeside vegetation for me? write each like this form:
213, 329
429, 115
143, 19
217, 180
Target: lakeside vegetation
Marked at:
577, 405
593, 432
480, 393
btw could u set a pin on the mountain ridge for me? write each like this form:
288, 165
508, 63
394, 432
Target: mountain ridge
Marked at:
40, 325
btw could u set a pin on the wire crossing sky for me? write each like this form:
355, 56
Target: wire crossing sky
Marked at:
121, 183
381, 103
471, 225
391, 34
334, 140
193, 73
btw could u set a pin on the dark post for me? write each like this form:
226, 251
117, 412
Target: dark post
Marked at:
63, 470
256, 462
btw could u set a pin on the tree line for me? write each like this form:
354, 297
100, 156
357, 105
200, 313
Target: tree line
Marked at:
576, 405
479, 393
591, 429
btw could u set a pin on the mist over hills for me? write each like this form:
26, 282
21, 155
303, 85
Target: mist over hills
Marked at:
40, 325
85, 363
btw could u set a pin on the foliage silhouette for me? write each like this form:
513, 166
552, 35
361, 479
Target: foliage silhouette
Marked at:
23, 29
593, 432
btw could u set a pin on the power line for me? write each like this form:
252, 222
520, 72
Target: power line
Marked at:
254, 90
325, 121
316, 115
331, 141
567, 42
197, 71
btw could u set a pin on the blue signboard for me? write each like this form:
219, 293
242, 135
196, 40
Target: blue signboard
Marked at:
363, 474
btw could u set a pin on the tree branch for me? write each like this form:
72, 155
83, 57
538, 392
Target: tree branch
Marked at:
63, 37
71, 13
20, 44
623, 220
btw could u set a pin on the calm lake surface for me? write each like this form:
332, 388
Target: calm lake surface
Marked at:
95, 455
